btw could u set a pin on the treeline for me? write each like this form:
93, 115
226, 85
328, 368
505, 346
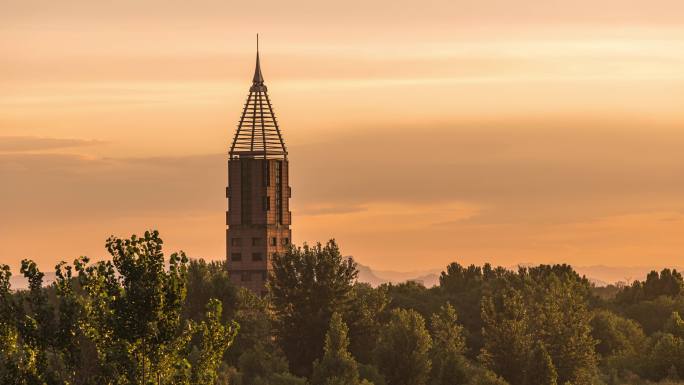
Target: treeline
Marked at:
139, 318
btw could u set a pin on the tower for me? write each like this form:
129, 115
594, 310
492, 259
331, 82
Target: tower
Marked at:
258, 192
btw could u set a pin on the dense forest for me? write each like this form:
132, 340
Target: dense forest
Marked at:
141, 318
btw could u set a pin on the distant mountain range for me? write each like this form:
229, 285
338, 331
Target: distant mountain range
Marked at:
428, 278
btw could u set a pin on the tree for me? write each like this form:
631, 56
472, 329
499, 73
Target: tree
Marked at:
414, 295
256, 327
562, 324
668, 283
307, 285
540, 369
17, 360
337, 365
507, 339
557, 297
207, 280
215, 338
616, 335
463, 287
449, 366
368, 308
665, 356
132, 310
403, 349
665, 353
675, 325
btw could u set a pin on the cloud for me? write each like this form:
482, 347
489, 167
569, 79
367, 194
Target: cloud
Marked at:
31, 143
329, 209
517, 191
72, 186
529, 171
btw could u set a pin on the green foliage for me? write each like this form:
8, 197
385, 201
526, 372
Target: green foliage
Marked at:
546, 304
140, 319
17, 360
616, 335
414, 295
337, 365
665, 357
368, 308
449, 366
206, 281
675, 325
540, 369
130, 312
652, 314
463, 288
256, 327
668, 283
402, 353
133, 309
508, 340
307, 285
215, 338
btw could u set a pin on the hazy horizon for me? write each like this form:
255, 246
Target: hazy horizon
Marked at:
419, 134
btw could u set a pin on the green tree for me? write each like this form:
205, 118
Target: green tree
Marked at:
449, 366
675, 325
17, 360
402, 353
337, 365
367, 310
206, 281
558, 298
215, 338
307, 285
256, 320
665, 353
540, 368
616, 335
414, 295
464, 287
37, 325
664, 356
67, 336
132, 310
507, 339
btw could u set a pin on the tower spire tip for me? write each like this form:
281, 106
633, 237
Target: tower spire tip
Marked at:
258, 77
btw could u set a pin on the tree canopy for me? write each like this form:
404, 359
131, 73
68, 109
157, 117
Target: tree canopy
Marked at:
140, 317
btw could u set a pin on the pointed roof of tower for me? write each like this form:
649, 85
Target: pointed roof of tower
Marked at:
258, 79
258, 134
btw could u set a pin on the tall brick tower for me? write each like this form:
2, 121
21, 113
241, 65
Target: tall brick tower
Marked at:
258, 192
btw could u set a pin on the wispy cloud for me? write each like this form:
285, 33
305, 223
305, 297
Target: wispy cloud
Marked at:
31, 143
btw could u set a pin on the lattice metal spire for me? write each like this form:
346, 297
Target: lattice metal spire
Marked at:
258, 134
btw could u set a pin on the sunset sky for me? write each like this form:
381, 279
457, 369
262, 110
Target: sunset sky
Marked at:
419, 132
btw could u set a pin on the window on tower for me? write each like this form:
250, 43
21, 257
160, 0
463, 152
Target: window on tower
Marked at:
257, 257
236, 257
267, 174
246, 276
236, 242
274, 241
286, 241
256, 241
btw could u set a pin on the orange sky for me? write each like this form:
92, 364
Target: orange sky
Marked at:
420, 132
